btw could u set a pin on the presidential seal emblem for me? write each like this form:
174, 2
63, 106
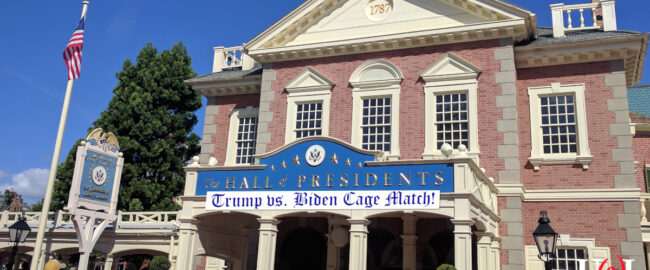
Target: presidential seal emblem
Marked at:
315, 155
99, 175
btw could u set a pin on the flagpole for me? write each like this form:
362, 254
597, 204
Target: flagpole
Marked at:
38, 261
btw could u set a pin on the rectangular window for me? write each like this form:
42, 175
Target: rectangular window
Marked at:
567, 258
558, 124
452, 123
246, 138
647, 179
375, 124
309, 118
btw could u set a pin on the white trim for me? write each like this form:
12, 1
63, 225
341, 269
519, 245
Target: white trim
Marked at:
373, 79
537, 156
568, 195
565, 241
450, 74
308, 86
231, 151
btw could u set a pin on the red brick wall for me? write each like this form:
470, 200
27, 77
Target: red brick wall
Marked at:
641, 144
222, 120
411, 62
596, 220
602, 169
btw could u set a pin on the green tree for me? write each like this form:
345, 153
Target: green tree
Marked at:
160, 263
6, 198
152, 115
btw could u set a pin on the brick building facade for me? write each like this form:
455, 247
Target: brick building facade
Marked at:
529, 118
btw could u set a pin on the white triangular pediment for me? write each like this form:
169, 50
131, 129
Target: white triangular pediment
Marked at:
309, 79
352, 21
448, 67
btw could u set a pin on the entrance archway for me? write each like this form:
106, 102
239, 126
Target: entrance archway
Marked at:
303, 249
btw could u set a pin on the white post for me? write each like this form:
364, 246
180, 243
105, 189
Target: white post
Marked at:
358, 243
558, 19
186, 235
483, 248
266, 243
409, 238
247, 62
218, 63
462, 244
55, 162
494, 252
609, 15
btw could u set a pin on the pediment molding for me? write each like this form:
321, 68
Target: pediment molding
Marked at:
309, 80
450, 67
376, 72
501, 20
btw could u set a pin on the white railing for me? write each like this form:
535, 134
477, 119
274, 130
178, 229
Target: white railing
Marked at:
645, 206
588, 20
60, 219
230, 58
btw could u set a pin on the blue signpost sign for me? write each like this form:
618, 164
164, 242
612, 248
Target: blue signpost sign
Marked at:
325, 174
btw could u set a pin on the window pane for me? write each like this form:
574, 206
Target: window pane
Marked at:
376, 124
452, 123
246, 140
309, 117
558, 118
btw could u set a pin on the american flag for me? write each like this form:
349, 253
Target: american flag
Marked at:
72, 52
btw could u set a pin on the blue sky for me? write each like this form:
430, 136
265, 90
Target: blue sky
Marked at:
33, 75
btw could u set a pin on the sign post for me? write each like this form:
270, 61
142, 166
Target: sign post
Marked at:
93, 194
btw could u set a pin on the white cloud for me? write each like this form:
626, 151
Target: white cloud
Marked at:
30, 183
3, 174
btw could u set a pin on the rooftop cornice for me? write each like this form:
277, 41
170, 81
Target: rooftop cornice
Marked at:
631, 49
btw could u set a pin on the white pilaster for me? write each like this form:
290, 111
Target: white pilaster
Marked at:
494, 253
266, 245
358, 243
483, 250
462, 244
186, 238
409, 241
108, 265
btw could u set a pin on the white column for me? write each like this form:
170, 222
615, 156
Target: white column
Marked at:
266, 244
494, 252
218, 63
358, 243
462, 244
484, 248
110, 261
186, 238
409, 241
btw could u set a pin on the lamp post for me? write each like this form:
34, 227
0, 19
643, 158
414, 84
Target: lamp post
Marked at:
545, 238
18, 232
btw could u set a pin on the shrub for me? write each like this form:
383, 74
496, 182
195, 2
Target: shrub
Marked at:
446, 267
160, 263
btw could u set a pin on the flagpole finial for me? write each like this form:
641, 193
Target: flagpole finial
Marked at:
85, 8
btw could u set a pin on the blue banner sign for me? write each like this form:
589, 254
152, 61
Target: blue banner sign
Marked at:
97, 178
324, 174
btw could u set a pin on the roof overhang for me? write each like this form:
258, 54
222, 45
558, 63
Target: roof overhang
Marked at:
236, 86
631, 49
270, 46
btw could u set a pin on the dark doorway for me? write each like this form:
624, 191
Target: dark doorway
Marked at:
303, 249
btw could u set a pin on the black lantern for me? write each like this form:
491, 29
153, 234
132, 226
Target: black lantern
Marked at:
545, 238
18, 232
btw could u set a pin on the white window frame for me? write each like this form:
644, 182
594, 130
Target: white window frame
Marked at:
308, 87
450, 74
376, 79
537, 156
231, 151
565, 241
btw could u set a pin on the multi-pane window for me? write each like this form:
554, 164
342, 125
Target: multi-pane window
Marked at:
246, 138
452, 123
375, 124
558, 124
567, 258
309, 117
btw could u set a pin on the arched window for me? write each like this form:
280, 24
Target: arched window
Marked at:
375, 111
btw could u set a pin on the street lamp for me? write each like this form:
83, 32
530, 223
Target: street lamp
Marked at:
545, 238
18, 232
